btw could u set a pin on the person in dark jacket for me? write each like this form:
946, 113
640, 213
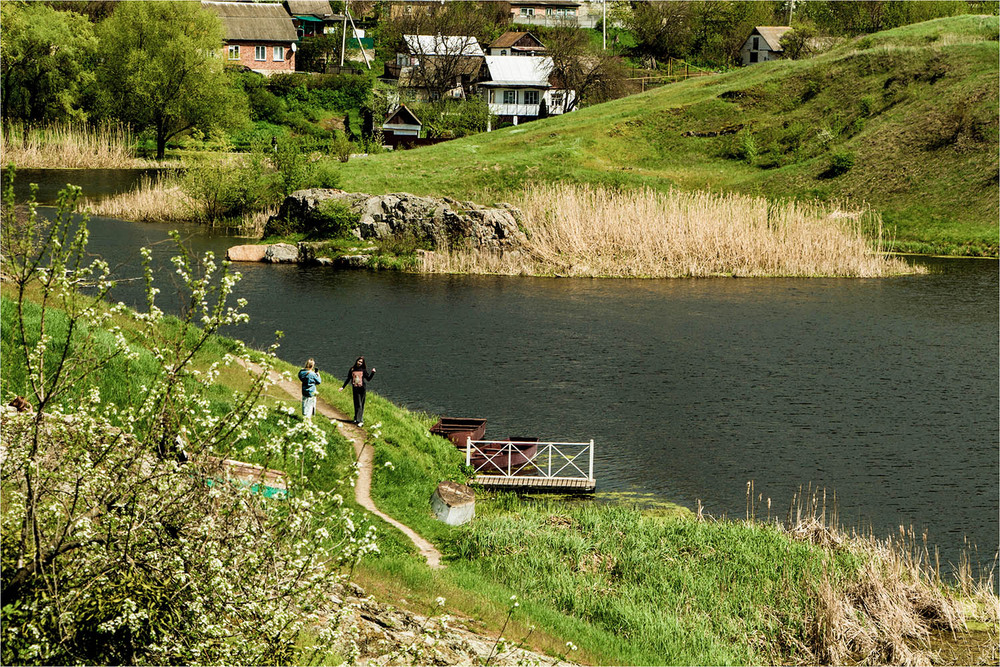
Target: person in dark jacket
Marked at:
358, 378
309, 379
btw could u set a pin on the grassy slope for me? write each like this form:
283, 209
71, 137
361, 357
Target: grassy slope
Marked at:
916, 106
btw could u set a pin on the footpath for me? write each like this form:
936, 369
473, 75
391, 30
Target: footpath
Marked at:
365, 456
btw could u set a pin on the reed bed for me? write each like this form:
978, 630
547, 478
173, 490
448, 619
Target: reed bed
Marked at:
154, 200
70, 146
587, 231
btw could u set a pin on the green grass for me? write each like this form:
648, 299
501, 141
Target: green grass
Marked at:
671, 590
915, 108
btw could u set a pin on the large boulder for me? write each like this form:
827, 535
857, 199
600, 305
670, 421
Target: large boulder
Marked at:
246, 253
281, 253
443, 222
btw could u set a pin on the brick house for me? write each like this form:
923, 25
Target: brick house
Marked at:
259, 36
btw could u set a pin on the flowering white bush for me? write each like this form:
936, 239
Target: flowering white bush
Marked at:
121, 543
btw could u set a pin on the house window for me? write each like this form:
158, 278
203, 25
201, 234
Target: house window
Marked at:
260, 53
531, 97
548, 11
503, 52
756, 43
510, 97
234, 52
527, 11
279, 54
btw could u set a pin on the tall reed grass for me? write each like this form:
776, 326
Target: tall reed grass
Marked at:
68, 145
155, 199
582, 230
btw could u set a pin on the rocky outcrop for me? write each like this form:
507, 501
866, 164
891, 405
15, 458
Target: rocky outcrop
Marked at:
443, 222
387, 635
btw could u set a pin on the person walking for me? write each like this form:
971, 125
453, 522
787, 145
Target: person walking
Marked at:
358, 378
309, 379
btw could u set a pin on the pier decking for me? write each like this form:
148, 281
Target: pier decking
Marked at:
563, 467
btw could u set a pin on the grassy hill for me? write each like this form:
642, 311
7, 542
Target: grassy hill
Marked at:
905, 120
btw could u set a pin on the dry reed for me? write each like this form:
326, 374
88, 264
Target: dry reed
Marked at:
586, 231
154, 200
70, 146
888, 612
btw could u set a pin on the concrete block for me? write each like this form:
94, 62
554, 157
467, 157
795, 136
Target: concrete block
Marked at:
454, 503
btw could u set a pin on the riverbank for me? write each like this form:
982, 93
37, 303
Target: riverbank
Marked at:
624, 585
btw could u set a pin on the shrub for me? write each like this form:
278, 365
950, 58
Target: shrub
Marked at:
331, 219
341, 147
841, 162
294, 170
230, 189
746, 148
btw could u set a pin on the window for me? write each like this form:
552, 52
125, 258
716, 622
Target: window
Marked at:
756, 43
510, 97
279, 54
234, 52
527, 11
548, 11
753, 56
260, 53
531, 97
503, 52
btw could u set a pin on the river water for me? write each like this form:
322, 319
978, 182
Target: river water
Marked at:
882, 391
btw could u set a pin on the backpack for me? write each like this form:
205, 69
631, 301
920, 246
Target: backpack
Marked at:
357, 378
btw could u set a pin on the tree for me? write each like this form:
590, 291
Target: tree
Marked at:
797, 44
46, 57
591, 75
159, 69
662, 29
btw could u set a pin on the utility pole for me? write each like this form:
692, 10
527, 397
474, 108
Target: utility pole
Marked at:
343, 37
791, 4
604, 25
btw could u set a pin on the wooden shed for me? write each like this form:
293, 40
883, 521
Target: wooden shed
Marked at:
402, 123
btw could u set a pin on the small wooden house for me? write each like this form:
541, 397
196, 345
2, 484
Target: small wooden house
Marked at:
763, 44
312, 17
523, 88
401, 123
259, 36
516, 44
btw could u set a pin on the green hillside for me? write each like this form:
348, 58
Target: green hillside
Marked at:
905, 120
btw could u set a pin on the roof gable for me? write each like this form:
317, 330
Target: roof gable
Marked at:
402, 116
249, 22
524, 39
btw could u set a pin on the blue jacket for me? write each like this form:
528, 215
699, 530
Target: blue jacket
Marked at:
309, 381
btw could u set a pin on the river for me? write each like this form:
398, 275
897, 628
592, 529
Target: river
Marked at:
884, 392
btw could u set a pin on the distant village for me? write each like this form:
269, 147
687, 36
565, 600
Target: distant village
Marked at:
514, 73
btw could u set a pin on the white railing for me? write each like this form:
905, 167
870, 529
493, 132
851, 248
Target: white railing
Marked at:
544, 460
498, 109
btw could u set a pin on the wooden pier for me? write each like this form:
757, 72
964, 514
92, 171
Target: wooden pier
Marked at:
561, 467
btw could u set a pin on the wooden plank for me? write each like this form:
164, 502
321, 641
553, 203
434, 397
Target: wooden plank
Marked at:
558, 483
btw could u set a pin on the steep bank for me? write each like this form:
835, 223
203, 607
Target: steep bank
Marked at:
905, 120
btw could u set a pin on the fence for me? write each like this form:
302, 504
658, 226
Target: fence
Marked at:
514, 463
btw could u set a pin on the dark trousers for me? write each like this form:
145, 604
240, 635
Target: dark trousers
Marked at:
359, 404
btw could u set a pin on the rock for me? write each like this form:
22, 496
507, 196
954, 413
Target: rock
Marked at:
444, 222
454, 503
352, 261
281, 253
246, 253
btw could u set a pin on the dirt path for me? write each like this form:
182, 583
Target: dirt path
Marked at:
365, 456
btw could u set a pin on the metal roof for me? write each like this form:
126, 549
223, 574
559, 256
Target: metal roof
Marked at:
511, 38
446, 45
772, 35
254, 22
519, 71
